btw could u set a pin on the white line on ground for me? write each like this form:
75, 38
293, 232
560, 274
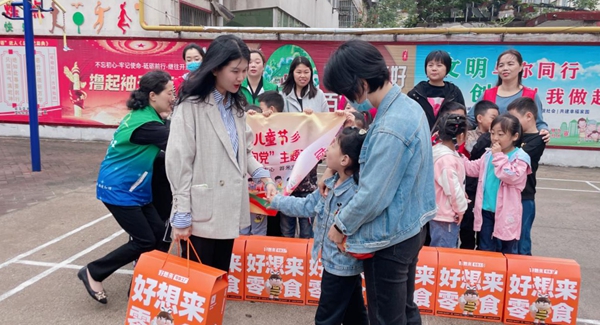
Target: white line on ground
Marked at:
594, 186
565, 189
564, 180
68, 266
53, 241
58, 266
588, 321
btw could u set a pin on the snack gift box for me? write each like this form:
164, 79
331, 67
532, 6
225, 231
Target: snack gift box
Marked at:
425, 280
470, 284
541, 289
170, 288
236, 270
276, 270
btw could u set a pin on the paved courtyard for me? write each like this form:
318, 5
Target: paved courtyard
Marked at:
52, 225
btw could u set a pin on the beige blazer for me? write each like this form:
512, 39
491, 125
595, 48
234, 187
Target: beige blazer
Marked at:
206, 178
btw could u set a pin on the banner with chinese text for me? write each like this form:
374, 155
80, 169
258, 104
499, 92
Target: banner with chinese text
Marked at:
567, 79
290, 145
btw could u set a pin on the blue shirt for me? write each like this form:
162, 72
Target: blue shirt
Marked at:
492, 185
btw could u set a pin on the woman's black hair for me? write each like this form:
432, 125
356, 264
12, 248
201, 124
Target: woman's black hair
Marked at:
450, 126
154, 81
350, 140
260, 53
359, 116
446, 108
439, 56
289, 84
517, 55
201, 83
193, 46
352, 62
509, 124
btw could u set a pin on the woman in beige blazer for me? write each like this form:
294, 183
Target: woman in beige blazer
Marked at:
209, 156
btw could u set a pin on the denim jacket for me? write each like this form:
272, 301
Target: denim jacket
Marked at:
325, 209
396, 196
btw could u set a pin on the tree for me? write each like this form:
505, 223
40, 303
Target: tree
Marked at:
586, 4
409, 13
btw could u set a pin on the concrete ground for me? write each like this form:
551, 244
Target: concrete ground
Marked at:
51, 225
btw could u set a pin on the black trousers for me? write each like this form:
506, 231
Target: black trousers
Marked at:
341, 301
468, 237
146, 230
212, 252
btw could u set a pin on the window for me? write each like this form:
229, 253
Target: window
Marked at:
348, 13
193, 16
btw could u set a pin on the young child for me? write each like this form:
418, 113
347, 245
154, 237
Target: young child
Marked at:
485, 113
271, 102
477, 142
341, 287
525, 109
502, 173
433, 93
449, 172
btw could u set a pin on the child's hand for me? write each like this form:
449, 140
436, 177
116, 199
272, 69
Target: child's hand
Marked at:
350, 120
458, 218
496, 148
267, 113
251, 112
308, 111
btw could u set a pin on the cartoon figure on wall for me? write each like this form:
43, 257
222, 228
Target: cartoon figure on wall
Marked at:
540, 309
591, 127
274, 286
469, 300
581, 125
99, 11
76, 93
55, 13
163, 318
123, 17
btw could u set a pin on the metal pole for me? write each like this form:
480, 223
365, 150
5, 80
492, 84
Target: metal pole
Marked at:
34, 135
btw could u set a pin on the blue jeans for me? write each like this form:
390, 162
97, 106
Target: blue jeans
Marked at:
288, 224
341, 301
492, 244
526, 225
390, 282
443, 234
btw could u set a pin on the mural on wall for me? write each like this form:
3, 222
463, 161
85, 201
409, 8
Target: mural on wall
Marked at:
55, 12
566, 78
99, 11
123, 17
105, 71
78, 19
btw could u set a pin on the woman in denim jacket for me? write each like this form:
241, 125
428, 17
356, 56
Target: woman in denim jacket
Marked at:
396, 195
341, 298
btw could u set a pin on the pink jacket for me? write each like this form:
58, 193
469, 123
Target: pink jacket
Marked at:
449, 172
513, 176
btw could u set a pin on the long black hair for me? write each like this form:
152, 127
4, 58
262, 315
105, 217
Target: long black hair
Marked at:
220, 52
350, 140
154, 81
289, 84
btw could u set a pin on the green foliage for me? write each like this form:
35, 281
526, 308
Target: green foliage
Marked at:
586, 4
